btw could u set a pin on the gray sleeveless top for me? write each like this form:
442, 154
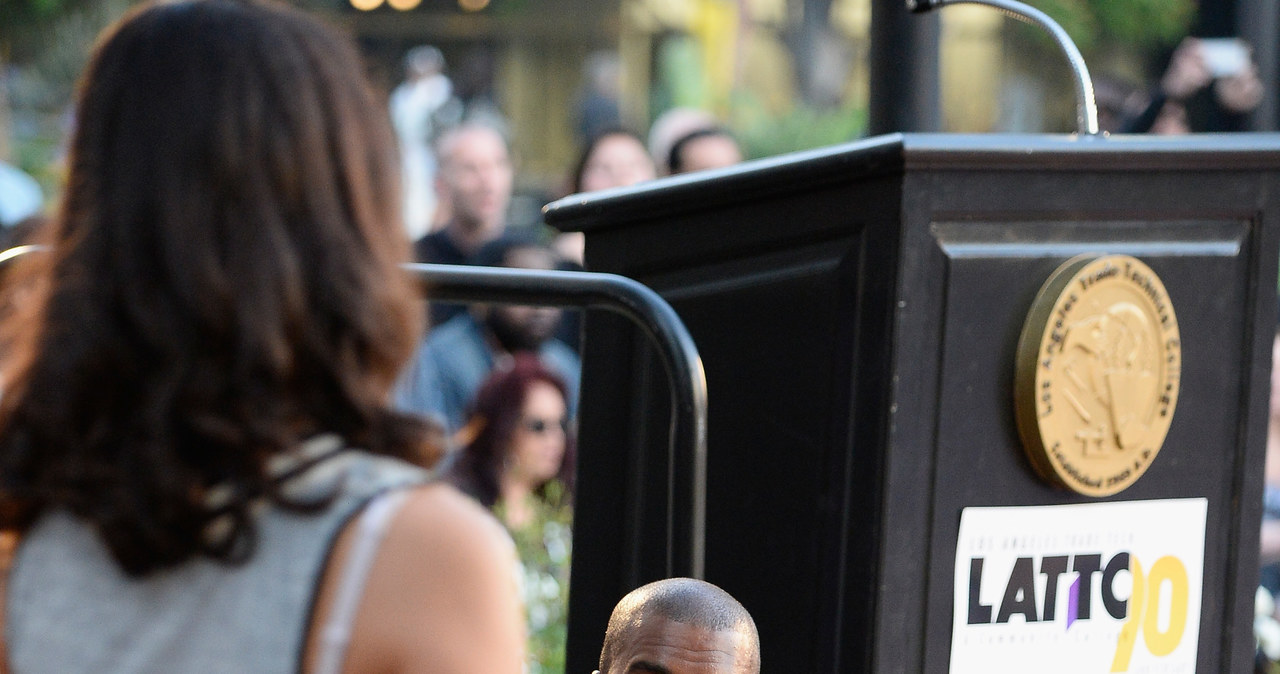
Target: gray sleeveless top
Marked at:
70, 608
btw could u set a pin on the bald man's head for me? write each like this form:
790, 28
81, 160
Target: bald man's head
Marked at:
680, 626
475, 178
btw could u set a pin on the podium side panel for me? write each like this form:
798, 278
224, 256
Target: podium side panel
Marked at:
771, 293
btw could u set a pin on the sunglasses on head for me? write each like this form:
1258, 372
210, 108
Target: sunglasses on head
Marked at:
540, 426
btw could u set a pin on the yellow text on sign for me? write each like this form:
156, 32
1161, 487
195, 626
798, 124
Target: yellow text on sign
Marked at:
1144, 610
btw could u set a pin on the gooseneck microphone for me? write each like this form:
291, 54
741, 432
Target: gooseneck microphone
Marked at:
1086, 106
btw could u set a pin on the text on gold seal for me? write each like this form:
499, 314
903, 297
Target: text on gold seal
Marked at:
1098, 367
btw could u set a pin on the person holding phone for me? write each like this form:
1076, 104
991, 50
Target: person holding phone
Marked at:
1209, 85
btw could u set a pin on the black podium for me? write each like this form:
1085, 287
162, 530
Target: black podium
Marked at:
858, 311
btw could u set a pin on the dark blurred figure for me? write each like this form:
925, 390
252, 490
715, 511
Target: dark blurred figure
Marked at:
458, 356
199, 456
1119, 102
420, 111
680, 626
598, 104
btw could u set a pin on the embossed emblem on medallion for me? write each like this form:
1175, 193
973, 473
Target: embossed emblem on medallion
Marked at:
1097, 378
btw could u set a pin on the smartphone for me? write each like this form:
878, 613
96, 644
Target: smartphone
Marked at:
1224, 56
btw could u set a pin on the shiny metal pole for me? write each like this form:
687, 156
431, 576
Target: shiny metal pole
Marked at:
1086, 106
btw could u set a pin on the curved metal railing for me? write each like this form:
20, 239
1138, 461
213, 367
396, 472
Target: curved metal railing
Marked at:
679, 356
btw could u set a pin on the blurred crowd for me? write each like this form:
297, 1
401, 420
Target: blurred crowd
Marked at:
489, 394
243, 223
503, 380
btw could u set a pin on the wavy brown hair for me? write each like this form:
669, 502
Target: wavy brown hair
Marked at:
224, 282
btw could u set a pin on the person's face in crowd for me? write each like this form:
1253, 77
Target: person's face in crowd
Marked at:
525, 327
476, 178
709, 152
537, 446
661, 646
618, 160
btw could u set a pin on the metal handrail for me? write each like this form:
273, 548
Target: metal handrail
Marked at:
676, 349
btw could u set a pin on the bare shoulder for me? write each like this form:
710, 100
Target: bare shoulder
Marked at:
442, 594
439, 517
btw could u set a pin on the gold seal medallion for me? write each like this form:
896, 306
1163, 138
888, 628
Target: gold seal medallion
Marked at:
1097, 375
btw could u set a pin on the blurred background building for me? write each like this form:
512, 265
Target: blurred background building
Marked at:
783, 75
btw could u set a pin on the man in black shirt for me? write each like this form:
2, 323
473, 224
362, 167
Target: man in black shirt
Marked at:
475, 178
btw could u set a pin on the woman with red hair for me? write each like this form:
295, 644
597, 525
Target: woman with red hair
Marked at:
517, 459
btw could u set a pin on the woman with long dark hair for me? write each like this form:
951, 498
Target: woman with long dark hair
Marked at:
517, 459
212, 336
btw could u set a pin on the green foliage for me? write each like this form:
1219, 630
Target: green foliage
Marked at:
44, 45
682, 81
1138, 24
1143, 23
763, 133
1076, 18
14, 12
545, 546
23, 24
